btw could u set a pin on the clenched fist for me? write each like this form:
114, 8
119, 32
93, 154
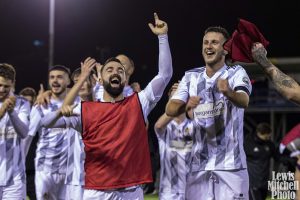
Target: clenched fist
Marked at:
223, 86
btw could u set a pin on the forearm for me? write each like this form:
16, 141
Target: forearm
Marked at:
283, 83
72, 94
165, 59
2, 112
239, 99
158, 84
162, 123
175, 107
53, 120
20, 127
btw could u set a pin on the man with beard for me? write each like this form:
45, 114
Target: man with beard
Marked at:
14, 114
215, 96
117, 155
52, 148
129, 69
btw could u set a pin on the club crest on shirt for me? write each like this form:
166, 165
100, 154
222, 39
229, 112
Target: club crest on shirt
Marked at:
207, 110
246, 80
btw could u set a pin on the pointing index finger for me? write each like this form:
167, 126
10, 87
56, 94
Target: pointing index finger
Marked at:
156, 18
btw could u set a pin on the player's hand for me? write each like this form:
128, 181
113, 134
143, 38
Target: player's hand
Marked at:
9, 103
223, 86
136, 87
258, 52
97, 77
43, 97
193, 102
160, 26
68, 110
173, 89
87, 66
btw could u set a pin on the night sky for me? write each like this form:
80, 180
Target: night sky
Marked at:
103, 28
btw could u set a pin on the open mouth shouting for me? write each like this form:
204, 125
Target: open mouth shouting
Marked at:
115, 80
55, 86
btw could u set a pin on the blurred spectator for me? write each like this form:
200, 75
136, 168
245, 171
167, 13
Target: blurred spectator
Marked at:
259, 149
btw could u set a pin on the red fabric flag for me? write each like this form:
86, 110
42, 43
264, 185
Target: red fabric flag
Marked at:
240, 43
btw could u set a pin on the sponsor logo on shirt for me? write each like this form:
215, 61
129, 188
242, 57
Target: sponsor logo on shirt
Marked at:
8, 133
208, 110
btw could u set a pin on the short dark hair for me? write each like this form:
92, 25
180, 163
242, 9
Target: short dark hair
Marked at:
61, 68
112, 59
218, 29
28, 91
263, 128
7, 71
76, 72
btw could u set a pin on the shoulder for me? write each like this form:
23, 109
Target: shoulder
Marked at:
194, 72
235, 68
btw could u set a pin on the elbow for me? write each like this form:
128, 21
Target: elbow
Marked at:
291, 96
170, 112
158, 127
175, 108
244, 105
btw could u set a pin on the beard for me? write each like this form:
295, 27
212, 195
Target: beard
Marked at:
113, 91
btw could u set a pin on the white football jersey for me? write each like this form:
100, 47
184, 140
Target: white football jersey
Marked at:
12, 159
219, 139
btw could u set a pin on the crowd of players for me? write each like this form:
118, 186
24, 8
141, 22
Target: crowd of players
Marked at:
92, 138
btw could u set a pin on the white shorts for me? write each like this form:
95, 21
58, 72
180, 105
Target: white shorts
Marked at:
125, 194
171, 195
16, 191
218, 185
50, 186
74, 192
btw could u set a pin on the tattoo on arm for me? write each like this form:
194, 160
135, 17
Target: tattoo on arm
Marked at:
282, 80
261, 58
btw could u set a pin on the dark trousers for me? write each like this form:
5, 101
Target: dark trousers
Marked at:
258, 193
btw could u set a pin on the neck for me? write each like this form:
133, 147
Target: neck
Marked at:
108, 98
60, 96
211, 69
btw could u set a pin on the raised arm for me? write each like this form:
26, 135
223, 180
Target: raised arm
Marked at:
156, 87
86, 68
283, 83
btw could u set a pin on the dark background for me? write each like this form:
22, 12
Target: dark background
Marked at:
103, 28
84, 27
